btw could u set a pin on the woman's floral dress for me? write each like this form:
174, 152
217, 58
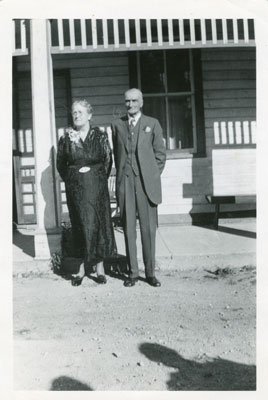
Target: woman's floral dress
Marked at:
87, 193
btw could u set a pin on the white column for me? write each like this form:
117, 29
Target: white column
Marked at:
44, 138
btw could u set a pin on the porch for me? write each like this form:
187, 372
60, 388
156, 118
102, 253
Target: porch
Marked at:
92, 58
232, 246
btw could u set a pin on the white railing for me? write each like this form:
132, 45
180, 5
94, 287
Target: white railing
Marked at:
19, 45
234, 132
121, 35
87, 35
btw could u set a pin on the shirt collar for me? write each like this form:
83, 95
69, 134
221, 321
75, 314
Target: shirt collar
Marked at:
135, 117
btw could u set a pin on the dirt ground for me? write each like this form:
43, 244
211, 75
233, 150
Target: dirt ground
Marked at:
196, 332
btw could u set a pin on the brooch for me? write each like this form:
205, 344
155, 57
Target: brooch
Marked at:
83, 170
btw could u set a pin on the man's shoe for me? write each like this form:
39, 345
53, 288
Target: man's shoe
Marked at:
101, 279
153, 282
130, 282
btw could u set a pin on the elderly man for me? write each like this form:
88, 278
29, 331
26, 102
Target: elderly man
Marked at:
140, 158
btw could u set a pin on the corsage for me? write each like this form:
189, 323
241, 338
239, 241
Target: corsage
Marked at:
73, 135
147, 129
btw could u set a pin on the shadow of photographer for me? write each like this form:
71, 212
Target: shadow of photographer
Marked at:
65, 383
203, 374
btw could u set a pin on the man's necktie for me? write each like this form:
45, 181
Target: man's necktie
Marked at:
132, 122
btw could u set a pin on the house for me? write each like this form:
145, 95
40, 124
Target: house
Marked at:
198, 77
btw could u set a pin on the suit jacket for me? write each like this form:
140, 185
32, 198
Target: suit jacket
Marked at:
151, 154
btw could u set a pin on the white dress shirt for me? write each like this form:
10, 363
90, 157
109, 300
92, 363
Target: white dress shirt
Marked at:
134, 119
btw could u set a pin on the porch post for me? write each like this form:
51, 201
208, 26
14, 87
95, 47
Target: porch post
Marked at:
46, 235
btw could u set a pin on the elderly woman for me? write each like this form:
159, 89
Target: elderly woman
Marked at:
84, 161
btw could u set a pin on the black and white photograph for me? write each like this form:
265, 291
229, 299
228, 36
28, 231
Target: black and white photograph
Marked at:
134, 200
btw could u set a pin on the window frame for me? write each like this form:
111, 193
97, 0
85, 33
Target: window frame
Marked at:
198, 149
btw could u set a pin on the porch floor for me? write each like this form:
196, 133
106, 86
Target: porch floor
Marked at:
177, 247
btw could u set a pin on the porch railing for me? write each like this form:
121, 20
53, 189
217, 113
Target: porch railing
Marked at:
232, 133
92, 35
21, 33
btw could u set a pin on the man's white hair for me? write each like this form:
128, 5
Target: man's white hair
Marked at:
136, 90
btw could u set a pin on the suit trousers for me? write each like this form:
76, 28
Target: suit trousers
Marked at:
137, 202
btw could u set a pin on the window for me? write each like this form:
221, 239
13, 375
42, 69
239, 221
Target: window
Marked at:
167, 79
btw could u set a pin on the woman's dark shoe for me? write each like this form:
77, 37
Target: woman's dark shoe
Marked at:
77, 280
94, 268
101, 279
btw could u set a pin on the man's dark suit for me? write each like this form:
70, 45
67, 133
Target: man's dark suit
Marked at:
139, 160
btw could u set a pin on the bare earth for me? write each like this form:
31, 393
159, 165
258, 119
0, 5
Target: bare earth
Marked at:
196, 332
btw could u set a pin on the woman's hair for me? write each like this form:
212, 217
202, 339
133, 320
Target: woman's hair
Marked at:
84, 103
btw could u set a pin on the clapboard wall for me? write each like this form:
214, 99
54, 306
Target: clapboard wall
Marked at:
229, 81
100, 78
229, 89
229, 96
23, 143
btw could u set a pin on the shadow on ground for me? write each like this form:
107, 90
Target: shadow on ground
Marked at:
24, 242
68, 384
228, 229
238, 232
202, 374
115, 267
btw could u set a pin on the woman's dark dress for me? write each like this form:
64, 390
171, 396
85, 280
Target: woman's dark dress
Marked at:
87, 193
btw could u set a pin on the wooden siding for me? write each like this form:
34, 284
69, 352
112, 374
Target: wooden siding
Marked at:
184, 185
23, 96
234, 172
229, 96
23, 151
23, 146
101, 79
229, 83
